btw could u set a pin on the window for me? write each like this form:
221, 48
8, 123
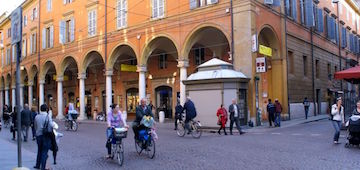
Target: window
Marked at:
199, 3
305, 66
319, 20
330, 28
162, 61
8, 54
67, 1
33, 43
290, 8
199, 56
9, 32
2, 58
24, 47
121, 13
49, 5
13, 47
343, 37
48, 37
67, 31
329, 71
317, 68
158, 8
92, 23
302, 12
2, 39
291, 62
25, 20
34, 14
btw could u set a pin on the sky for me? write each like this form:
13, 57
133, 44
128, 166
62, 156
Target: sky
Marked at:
9, 5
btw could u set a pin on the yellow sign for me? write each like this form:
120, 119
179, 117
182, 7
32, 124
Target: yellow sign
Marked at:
66, 78
265, 50
126, 67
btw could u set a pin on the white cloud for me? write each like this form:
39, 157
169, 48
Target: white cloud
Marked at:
9, 5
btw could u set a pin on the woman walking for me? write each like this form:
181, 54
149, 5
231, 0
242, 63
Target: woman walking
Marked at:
337, 112
222, 118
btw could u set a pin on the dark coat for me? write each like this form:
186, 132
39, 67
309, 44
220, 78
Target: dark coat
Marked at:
271, 109
278, 107
232, 111
26, 117
178, 111
33, 115
222, 116
140, 113
190, 109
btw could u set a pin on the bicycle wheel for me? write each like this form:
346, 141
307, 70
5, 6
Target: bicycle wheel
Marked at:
181, 129
120, 154
74, 126
150, 150
196, 129
67, 125
138, 147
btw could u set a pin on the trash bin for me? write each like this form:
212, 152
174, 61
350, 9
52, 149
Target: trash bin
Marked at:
161, 116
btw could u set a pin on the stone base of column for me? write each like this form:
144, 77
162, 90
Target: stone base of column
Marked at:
60, 116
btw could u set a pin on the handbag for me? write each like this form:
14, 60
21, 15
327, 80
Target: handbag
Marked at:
46, 130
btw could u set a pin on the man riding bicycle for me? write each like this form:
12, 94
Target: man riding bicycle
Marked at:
190, 109
114, 120
141, 111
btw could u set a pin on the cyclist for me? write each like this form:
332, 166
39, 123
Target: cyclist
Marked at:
141, 111
190, 109
114, 120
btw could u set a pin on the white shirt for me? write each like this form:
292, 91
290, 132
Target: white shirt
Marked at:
236, 114
338, 116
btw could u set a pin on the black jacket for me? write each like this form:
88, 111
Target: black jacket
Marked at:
26, 117
140, 113
190, 109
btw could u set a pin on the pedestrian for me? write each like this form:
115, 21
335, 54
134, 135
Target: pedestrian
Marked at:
190, 109
13, 127
222, 118
234, 110
178, 112
43, 127
278, 111
271, 109
34, 112
50, 112
306, 104
337, 112
25, 121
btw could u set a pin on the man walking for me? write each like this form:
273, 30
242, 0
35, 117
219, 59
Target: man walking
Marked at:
25, 121
271, 112
42, 121
234, 111
278, 113
306, 107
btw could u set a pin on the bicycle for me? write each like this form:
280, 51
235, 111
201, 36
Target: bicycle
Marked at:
195, 126
71, 124
145, 142
117, 147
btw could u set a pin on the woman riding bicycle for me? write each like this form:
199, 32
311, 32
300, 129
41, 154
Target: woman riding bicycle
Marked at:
114, 120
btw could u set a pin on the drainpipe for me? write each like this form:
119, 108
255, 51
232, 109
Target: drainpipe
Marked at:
338, 17
287, 61
105, 33
312, 69
232, 32
38, 77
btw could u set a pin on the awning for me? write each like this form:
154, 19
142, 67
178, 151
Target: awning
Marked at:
351, 74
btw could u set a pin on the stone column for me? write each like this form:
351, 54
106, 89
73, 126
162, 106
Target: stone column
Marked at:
21, 93
142, 81
108, 75
60, 99
82, 78
7, 98
13, 97
30, 93
1, 102
183, 64
41, 92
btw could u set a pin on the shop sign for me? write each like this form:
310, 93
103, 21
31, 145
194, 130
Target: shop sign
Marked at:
265, 50
130, 68
261, 65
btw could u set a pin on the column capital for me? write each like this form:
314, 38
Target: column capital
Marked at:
21, 85
183, 63
42, 82
6, 88
60, 78
30, 83
13, 87
141, 68
109, 72
81, 76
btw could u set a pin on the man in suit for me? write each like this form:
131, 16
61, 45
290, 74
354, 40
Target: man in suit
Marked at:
141, 111
234, 110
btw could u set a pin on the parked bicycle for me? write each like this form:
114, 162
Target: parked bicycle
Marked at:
195, 126
117, 146
71, 124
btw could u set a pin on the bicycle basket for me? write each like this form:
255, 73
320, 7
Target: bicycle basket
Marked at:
120, 133
74, 116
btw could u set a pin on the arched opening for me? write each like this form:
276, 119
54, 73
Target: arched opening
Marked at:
33, 80
24, 80
164, 100
48, 75
68, 70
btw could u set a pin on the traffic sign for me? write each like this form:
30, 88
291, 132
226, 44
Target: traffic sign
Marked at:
16, 17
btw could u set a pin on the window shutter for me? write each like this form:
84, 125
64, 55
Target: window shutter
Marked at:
161, 8
336, 32
343, 37
320, 20
287, 7
36, 13
51, 36
276, 3
43, 36
62, 32
293, 9
32, 17
24, 47
302, 16
72, 30
214, 1
155, 8
90, 23
327, 26
118, 14
193, 4
309, 13
124, 13
13, 53
94, 22
351, 42
31, 44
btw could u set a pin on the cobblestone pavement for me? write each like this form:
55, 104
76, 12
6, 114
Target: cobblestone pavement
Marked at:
303, 146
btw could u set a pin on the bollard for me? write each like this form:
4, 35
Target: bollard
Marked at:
161, 116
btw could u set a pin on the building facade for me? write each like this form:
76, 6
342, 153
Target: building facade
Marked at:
97, 52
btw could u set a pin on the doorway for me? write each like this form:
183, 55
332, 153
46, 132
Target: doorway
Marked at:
318, 101
164, 100
132, 100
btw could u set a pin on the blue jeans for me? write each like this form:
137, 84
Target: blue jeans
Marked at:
278, 119
306, 112
44, 144
337, 126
